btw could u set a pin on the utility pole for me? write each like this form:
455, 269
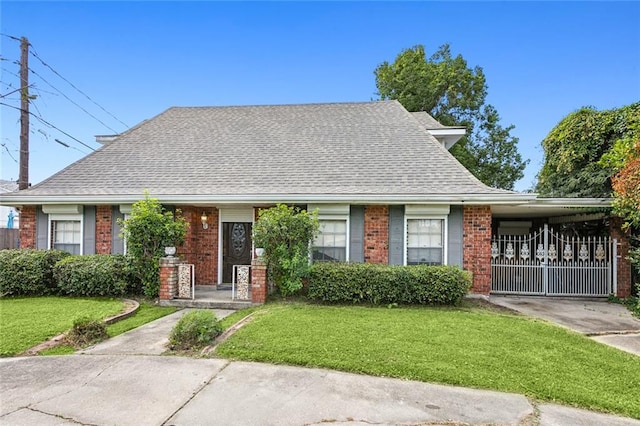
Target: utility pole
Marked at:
23, 179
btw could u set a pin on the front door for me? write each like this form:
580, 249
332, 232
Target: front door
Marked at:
236, 247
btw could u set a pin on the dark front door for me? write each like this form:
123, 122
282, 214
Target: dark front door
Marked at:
236, 247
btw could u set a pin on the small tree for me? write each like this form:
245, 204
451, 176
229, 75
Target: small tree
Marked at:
286, 234
148, 230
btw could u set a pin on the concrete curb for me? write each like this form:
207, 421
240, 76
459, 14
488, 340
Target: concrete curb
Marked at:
228, 333
130, 307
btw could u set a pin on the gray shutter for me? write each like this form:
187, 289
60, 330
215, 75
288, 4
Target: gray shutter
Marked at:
117, 243
396, 235
42, 229
454, 231
356, 234
89, 231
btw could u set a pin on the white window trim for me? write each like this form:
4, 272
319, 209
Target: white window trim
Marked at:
445, 236
348, 231
65, 217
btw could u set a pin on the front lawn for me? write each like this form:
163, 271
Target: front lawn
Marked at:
28, 321
465, 347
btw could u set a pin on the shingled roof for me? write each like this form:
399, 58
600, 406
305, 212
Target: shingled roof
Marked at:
344, 151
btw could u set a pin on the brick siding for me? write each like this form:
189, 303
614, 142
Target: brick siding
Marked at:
201, 245
376, 234
476, 238
104, 222
624, 265
28, 227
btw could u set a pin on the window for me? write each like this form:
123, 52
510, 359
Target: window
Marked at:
66, 235
425, 242
331, 243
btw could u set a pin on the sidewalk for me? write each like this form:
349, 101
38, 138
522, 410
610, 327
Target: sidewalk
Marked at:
119, 383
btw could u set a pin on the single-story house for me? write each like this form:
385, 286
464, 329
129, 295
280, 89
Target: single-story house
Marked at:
386, 188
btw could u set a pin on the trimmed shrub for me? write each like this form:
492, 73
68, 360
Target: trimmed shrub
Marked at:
382, 284
93, 275
195, 330
28, 272
86, 331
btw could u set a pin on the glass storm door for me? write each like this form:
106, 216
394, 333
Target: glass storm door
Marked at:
236, 247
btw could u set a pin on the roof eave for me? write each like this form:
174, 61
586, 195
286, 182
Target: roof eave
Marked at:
507, 198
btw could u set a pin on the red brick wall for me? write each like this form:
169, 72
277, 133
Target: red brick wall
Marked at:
28, 227
376, 234
201, 245
104, 222
258, 282
624, 265
476, 249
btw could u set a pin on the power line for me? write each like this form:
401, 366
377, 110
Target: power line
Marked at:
73, 102
10, 36
50, 125
35, 55
4, 145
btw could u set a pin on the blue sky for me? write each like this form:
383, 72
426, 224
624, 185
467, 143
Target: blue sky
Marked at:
542, 61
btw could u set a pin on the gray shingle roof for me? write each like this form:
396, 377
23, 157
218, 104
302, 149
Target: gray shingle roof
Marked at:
370, 148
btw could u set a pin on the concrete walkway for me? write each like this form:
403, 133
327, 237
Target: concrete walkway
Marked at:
608, 323
108, 385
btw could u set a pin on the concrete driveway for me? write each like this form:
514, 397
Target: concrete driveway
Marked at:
164, 390
606, 322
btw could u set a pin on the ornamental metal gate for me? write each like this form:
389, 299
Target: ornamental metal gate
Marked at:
550, 264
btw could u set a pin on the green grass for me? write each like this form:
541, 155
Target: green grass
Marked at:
466, 347
147, 312
233, 318
28, 321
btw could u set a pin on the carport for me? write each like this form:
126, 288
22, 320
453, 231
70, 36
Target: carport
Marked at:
559, 247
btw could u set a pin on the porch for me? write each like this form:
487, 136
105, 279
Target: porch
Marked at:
209, 297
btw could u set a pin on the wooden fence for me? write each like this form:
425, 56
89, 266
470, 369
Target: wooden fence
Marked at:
9, 238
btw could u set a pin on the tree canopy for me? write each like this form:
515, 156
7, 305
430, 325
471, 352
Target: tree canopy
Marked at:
455, 94
581, 153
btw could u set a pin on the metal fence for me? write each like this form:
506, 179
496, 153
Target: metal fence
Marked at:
551, 264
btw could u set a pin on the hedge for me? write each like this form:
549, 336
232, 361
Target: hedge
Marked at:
28, 272
382, 284
93, 275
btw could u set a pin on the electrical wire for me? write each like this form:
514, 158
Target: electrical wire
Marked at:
73, 102
35, 55
50, 125
4, 145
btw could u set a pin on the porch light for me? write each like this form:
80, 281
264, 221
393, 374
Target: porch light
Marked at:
204, 218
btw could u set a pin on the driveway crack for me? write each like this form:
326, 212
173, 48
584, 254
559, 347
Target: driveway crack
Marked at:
196, 392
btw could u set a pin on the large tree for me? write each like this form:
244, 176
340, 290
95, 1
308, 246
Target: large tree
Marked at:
574, 165
453, 93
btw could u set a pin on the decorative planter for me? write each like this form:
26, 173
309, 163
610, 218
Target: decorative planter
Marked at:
259, 252
170, 251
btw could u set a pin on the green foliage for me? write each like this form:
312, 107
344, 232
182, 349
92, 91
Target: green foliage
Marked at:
285, 233
92, 275
148, 230
582, 152
384, 285
86, 331
28, 321
28, 272
462, 347
195, 330
454, 93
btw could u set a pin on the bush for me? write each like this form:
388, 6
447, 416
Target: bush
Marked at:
86, 331
286, 234
382, 284
28, 272
194, 330
93, 275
